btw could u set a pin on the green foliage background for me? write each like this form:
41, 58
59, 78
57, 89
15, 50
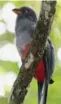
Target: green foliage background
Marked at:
54, 94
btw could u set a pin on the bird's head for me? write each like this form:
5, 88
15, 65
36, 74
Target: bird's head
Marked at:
25, 12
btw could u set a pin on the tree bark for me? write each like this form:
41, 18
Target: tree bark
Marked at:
35, 54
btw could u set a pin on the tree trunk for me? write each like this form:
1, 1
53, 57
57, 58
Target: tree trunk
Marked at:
35, 54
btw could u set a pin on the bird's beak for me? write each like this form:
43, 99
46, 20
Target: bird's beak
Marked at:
17, 11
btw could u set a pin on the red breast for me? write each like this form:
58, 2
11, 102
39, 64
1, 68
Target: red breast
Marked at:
40, 70
26, 49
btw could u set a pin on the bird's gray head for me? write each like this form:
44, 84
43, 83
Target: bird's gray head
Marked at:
25, 12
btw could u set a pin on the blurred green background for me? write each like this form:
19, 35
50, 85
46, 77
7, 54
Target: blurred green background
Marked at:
10, 60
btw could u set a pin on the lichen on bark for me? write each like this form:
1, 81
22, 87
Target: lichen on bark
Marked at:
35, 53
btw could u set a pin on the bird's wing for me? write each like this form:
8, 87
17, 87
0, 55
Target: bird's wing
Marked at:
49, 57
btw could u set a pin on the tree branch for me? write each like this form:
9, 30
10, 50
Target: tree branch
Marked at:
35, 54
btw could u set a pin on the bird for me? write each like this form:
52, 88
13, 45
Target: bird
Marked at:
25, 26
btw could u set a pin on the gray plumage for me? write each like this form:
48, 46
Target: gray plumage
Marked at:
24, 31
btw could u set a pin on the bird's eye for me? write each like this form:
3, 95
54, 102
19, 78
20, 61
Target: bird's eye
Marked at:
26, 11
